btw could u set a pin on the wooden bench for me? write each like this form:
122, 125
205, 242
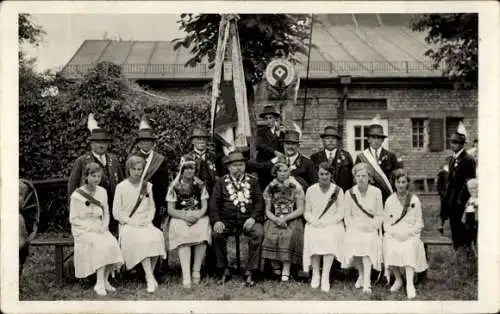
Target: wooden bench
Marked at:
434, 240
59, 244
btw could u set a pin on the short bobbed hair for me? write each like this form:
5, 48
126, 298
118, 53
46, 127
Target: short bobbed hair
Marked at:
399, 173
279, 165
326, 166
91, 168
133, 161
360, 167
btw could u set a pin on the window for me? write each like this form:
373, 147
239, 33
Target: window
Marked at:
419, 133
366, 104
440, 131
360, 137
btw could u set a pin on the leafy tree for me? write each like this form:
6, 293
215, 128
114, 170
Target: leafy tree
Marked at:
30, 33
456, 36
262, 36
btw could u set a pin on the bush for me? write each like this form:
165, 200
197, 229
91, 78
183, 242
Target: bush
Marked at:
53, 130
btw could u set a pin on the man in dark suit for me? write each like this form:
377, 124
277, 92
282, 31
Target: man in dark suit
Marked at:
155, 170
236, 205
340, 159
462, 168
301, 167
380, 161
112, 170
269, 142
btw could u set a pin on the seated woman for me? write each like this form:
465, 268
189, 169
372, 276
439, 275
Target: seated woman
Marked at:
96, 250
324, 231
134, 209
283, 229
403, 249
189, 227
363, 219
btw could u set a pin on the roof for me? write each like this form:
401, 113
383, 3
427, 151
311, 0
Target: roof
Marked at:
360, 45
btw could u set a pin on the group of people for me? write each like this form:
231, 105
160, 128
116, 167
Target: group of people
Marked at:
294, 210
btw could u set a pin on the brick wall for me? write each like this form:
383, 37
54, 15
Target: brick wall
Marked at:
403, 104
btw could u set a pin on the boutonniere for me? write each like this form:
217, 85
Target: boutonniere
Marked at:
338, 160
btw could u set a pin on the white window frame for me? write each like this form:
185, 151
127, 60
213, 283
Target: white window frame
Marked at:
350, 134
425, 143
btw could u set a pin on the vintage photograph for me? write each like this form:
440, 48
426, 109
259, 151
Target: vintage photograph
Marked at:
248, 156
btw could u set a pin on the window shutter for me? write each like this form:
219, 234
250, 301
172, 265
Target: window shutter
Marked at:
436, 135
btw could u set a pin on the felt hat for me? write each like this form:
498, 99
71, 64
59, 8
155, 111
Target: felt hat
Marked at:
460, 136
376, 129
200, 132
269, 109
145, 131
96, 133
330, 131
291, 136
233, 157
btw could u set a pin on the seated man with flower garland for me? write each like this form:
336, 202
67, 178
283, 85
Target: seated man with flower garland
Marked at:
236, 205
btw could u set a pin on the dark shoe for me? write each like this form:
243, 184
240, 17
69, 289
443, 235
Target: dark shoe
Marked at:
226, 276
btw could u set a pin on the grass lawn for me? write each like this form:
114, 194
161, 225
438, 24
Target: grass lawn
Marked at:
447, 280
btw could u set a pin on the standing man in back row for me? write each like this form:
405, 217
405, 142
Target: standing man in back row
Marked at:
269, 142
339, 159
381, 161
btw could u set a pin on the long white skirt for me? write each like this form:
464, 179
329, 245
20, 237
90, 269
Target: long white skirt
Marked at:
95, 250
405, 253
360, 243
137, 243
323, 241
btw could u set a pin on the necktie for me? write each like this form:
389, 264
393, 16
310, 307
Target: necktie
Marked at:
330, 156
102, 159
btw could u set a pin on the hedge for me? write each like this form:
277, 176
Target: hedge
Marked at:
53, 130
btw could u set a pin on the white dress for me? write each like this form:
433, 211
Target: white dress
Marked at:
179, 233
95, 246
328, 238
402, 244
363, 235
138, 237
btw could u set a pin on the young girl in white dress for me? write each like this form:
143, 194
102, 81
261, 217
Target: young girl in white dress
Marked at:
189, 229
363, 218
96, 250
134, 209
403, 249
324, 230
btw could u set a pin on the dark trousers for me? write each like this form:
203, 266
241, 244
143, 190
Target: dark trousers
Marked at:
255, 235
459, 234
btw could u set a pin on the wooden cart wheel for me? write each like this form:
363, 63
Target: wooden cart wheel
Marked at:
30, 209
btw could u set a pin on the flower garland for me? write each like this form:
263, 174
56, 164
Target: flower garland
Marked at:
239, 193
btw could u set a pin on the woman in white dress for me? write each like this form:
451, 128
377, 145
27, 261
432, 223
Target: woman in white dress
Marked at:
363, 218
324, 230
403, 249
189, 229
96, 250
134, 209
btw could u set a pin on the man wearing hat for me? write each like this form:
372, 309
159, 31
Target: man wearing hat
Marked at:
155, 170
112, 171
462, 167
380, 161
301, 167
206, 161
236, 205
340, 159
269, 141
